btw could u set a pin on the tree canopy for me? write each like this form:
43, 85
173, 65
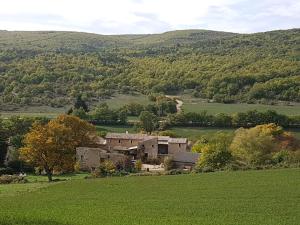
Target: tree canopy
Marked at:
53, 68
52, 146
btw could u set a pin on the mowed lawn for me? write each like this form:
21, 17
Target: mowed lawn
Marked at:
270, 197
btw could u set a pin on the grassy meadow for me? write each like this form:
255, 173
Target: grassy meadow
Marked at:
269, 197
192, 133
190, 104
198, 105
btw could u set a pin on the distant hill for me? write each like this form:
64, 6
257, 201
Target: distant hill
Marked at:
51, 68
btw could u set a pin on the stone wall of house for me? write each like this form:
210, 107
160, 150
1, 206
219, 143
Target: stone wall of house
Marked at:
113, 142
150, 147
176, 147
90, 158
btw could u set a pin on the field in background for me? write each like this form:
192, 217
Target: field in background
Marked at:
269, 197
197, 105
120, 100
192, 133
189, 105
35, 111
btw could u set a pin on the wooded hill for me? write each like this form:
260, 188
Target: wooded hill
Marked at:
51, 68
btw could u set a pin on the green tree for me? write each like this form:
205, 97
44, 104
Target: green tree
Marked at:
253, 146
52, 146
148, 121
214, 153
80, 103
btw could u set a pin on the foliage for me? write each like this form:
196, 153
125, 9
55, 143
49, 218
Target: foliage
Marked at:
8, 179
148, 121
52, 146
81, 104
257, 146
12, 131
168, 163
107, 168
102, 114
241, 119
138, 165
6, 170
19, 166
54, 68
125, 164
214, 152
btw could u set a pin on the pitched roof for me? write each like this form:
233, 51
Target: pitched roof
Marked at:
126, 136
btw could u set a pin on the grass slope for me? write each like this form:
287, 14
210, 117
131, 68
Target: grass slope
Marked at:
268, 197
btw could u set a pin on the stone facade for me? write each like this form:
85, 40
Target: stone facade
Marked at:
117, 146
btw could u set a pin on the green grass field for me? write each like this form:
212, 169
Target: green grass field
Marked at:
192, 133
121, 100
214, 108
268, 197
35, 111
189, 105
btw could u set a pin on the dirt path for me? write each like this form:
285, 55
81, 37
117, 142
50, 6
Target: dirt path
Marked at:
179, 105
179, 102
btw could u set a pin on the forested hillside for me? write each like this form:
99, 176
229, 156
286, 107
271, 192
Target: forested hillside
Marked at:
52, 68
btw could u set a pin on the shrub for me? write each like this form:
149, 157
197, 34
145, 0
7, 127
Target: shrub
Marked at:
107, 168
9, 179
77, 167
6, 170
153, 161
174, 172
20, 166
215, 156
281, 156
125, 164
207, 169
168, 163
138, 165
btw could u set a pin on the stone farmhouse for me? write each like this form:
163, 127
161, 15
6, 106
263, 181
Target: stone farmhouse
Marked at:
117, 146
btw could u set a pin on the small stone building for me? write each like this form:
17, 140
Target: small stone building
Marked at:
117, 146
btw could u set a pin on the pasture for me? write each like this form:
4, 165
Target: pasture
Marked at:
192, 133
269, 197
189, 105
197, 105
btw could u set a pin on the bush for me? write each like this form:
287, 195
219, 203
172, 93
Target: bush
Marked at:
77, 167
207, 169
168, 163
107, 168
138, 165
6, 170
12, 179
153, 161
20, 166
175, 172
125, 164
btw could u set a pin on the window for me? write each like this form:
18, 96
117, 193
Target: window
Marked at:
179, 145
119, 141
81, 157
152, 146
131, 141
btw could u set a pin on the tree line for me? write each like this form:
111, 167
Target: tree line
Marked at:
250, 118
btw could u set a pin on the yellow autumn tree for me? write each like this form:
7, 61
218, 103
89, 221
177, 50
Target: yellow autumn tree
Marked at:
53, 146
